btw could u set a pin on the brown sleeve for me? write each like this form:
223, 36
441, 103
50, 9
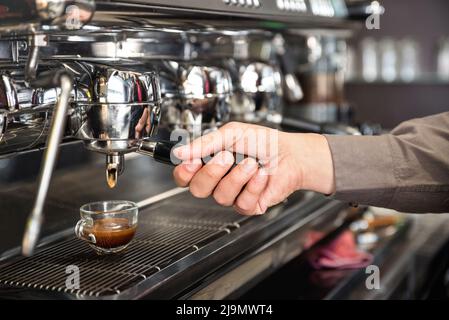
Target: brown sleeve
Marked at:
406, 170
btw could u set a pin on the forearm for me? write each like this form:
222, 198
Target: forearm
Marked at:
406, 170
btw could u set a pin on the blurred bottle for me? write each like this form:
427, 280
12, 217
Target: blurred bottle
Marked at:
350, 72
409, 67
443, 59
369, 59
388, 60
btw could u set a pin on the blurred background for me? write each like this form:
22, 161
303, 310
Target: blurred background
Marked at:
401, 71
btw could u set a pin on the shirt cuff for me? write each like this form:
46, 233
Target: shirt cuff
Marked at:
363, 169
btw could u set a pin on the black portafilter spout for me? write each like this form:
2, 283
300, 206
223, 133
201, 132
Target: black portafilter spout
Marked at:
161, 151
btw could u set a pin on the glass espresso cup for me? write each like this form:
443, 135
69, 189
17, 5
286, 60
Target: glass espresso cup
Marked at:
107, 226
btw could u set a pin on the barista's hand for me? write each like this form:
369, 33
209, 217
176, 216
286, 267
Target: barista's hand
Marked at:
287, 162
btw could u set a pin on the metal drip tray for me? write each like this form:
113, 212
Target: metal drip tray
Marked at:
171, 238
162, 238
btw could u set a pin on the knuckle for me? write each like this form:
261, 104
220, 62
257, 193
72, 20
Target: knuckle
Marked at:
221, 199
236, 177
213, 172
227, 157
207, 139
178, 178
180, 183
252, 188
243, 211
243, 205
256, 185
232, 125
197, 191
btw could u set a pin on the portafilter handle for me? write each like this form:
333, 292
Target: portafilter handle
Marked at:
162, 151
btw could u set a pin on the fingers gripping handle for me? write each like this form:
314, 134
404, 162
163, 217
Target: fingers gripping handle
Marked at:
162, 151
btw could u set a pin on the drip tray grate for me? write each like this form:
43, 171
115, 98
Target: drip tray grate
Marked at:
165, 235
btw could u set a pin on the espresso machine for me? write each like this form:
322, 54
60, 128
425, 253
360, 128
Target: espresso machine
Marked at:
98, 82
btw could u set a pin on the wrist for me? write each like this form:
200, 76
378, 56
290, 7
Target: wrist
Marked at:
313, 157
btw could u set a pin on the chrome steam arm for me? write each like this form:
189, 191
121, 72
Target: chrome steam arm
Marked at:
64, 81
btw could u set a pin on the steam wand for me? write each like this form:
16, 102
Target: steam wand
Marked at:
64, 81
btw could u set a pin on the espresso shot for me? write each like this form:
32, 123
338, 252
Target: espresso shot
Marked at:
108, 226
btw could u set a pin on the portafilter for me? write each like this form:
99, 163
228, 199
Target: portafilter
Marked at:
116, 112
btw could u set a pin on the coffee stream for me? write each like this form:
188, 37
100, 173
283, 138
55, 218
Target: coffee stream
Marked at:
111, 177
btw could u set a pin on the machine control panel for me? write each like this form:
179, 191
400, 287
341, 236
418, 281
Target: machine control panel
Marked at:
275, 10
243, 3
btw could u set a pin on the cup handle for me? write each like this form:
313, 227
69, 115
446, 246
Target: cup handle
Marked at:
81, 234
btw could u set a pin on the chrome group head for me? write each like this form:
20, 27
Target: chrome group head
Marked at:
116, 108
197, 99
